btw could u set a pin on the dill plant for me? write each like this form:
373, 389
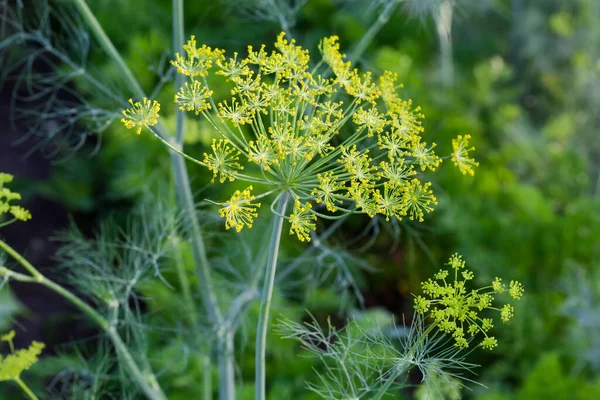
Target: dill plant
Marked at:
348, 143
316, 141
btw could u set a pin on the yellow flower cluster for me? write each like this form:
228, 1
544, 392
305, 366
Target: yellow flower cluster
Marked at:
12, 365
455, 310
337, 140
240, 210
141, 114
6, 196
460, 155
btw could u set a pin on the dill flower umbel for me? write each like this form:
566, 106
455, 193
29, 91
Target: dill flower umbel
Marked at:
337, 140
6, 197
142, 114
456, 310
460, 155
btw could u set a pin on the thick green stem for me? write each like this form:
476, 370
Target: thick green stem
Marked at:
226, 365
178, 38
206, 377
399, 369
368, 37
186, 202
147, 382
267, 295
107, 45
25, 388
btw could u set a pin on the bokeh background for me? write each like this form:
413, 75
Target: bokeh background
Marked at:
521, 77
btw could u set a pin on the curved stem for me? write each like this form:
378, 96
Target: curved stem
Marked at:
175, 149
21, 260
267, 295
147, 382
25, 388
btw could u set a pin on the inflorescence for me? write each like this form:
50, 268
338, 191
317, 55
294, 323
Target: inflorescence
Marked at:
6, 197
13, 364
455, 310
337, 140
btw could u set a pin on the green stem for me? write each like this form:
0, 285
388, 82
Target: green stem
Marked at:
21, 260
186, 200
107, 45
3, 224
178, 38
166, 140
226, 365
267, 295
368, 37
25, 388
152, 390
206, 378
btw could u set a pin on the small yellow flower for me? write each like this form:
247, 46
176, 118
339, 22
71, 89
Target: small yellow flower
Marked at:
515, 290
362, 88
223, 160
364, 198
489, 343
239, 211
358, 164
391, 203
396, 173
198, 60
141, 114
326, 191
261, 152
302, 221
389, 88
235, 112
498, 286
425, 156
193, 97
395, 144
233, 68
418, 199
20, 213
371, 119
507, 312
460, 155
5, 178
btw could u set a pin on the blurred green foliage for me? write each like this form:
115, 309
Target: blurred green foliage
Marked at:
526, 87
